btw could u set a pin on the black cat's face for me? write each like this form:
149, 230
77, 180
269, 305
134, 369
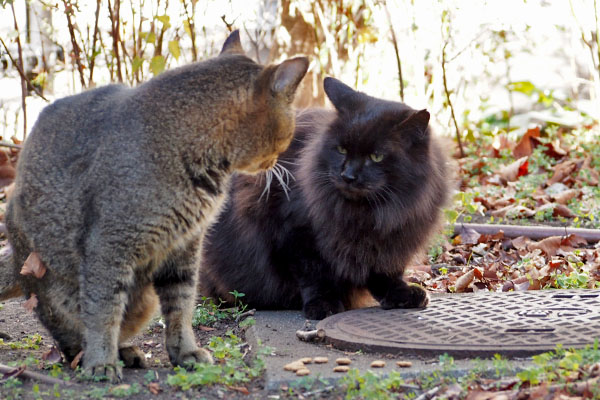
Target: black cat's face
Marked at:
375, 149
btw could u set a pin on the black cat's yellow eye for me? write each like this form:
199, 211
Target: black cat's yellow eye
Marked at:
342, 150
376, 157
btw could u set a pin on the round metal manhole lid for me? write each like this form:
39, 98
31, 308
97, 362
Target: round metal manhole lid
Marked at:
513, 324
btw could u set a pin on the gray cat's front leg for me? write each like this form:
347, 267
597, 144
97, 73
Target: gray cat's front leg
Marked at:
104, 281
175, 283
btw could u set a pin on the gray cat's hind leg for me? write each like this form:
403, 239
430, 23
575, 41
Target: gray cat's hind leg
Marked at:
105, 280
175, 283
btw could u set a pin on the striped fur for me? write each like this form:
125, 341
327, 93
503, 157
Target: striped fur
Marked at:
116, 186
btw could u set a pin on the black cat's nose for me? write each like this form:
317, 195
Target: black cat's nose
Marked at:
348, 175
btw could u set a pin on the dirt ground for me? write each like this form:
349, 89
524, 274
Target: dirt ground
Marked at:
17, 324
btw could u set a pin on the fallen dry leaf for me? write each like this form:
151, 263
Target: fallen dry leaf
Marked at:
548, 245
527, 143
205, 328
467, 235
240, 389
565, 196
34, 266
515, 169
53, 356
562, 211
76, 360
554, 149
31, 302
562, 171
464, 281
154, 387
591, 175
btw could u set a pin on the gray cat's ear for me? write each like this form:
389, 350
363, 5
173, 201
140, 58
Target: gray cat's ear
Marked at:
342, 96
288, 75
416, 125
232, 45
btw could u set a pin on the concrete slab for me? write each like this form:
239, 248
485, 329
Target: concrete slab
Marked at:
277, 329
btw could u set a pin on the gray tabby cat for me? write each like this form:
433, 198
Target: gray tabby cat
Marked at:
116, 187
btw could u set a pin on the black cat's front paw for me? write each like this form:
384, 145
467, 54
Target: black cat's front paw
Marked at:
411, 296
320, 309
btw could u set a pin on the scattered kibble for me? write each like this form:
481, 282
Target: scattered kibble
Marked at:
378, 364
306, 360
343, 361
293, 366
341, 368
404, 364
321, 360
303, 372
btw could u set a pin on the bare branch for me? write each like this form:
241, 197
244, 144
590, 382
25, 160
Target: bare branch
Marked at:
21, 72
20, 68
76, 48
395, 43
447, 92
22, 372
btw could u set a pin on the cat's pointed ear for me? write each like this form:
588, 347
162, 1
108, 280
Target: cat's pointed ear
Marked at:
232, 45
288, 75
343, 97
416, 126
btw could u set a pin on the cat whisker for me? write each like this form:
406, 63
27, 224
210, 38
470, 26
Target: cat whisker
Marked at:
283, 180
267, 189
287, 162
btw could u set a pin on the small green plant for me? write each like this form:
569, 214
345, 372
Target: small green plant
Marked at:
30, 342
230, 368
557, 365
150, 376
124, 390
372, 386
208, 312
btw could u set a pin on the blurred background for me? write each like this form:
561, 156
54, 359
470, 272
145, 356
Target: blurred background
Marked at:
480, 67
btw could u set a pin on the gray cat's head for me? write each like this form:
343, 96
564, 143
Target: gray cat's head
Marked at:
270, 119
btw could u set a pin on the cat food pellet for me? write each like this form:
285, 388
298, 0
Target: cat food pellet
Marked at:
341, 368
303, 372
343, 361
378, 364
293, 366
306, 360
321, 360
404, 364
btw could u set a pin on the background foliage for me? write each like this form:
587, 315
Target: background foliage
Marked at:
480, 66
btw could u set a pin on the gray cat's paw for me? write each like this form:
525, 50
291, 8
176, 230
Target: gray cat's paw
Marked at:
132, 357
109, 372
188, 360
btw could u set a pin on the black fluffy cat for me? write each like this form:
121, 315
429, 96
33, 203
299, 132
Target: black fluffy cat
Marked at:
367, 187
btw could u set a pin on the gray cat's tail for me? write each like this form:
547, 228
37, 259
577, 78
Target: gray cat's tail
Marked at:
9, 287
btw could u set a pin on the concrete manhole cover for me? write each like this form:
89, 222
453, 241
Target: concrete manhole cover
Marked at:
469, 325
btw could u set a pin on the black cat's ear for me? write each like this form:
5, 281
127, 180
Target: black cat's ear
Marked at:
232, 45
342, 96
416, 126
288, 75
